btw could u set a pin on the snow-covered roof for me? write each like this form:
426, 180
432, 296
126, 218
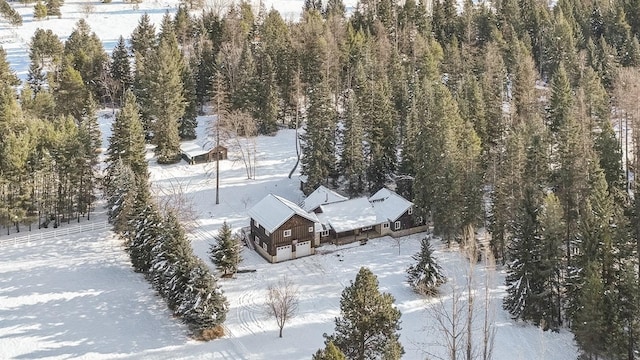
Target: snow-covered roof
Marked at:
388, 205
349, 214
195, 148
321, 196
273, 211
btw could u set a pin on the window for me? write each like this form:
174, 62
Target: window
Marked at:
397, 225
325, 233
420, 220
286, 233
265, 246
366, 228
385, 225
410, 210
310, 228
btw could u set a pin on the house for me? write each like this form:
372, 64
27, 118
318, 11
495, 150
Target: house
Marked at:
347, 221
321, 196
194, 153
281, 230
395, 214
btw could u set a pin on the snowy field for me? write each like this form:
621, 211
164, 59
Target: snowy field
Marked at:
77, 297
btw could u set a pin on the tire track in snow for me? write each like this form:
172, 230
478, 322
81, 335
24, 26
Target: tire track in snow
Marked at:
249, 312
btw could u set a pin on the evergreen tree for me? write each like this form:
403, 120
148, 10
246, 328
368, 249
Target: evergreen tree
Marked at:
144, 229
84, 52
225, 252
318, 143
10, 14
70, 93
330, 352
126, 143
352, 165
561, 99
426, 275
267, 106
166, 103
188, 122
369, 323
523, 279
120, 70
143, 37
39, 11
589, 325
203, 305
53, 8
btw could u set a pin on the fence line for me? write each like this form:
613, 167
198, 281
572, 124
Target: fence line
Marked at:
54, 234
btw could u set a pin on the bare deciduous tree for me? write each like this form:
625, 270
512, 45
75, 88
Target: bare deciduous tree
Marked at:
282, 302
450, 322
488, 325
240, 132
172, 198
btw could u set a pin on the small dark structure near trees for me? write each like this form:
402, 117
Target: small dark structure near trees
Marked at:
194, 153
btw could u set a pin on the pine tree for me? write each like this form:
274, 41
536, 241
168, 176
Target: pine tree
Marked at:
330, 352
204, 305
166, 103
426, 275
10, 14
561, 99
126, 143
352, 157
172, 261
318, 143
120, 70
589, 324
523, 279
53, 8
188, 122
83, 50
145, 229
225, 252
39, 11
369, 323
143, 37
70, 93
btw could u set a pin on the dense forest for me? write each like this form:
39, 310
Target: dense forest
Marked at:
513, 115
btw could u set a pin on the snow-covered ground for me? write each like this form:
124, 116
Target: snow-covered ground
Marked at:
77, 297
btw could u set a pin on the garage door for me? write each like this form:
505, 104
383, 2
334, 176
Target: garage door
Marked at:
303, 249
283, 253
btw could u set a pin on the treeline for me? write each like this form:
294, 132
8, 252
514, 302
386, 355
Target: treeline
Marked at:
156, 241
47, 164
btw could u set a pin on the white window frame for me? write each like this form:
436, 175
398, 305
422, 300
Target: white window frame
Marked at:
265, 246
420, 220
410, 210
397, 225
310, 228
286, 233
324, 233
385, 225
366, 228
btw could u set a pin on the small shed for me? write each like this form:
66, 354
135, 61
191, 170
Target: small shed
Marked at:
194, 153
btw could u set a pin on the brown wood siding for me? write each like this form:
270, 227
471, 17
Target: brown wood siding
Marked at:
406, 221
261, 237
299, 227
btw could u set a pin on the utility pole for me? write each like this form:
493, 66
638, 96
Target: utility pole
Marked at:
218, 139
